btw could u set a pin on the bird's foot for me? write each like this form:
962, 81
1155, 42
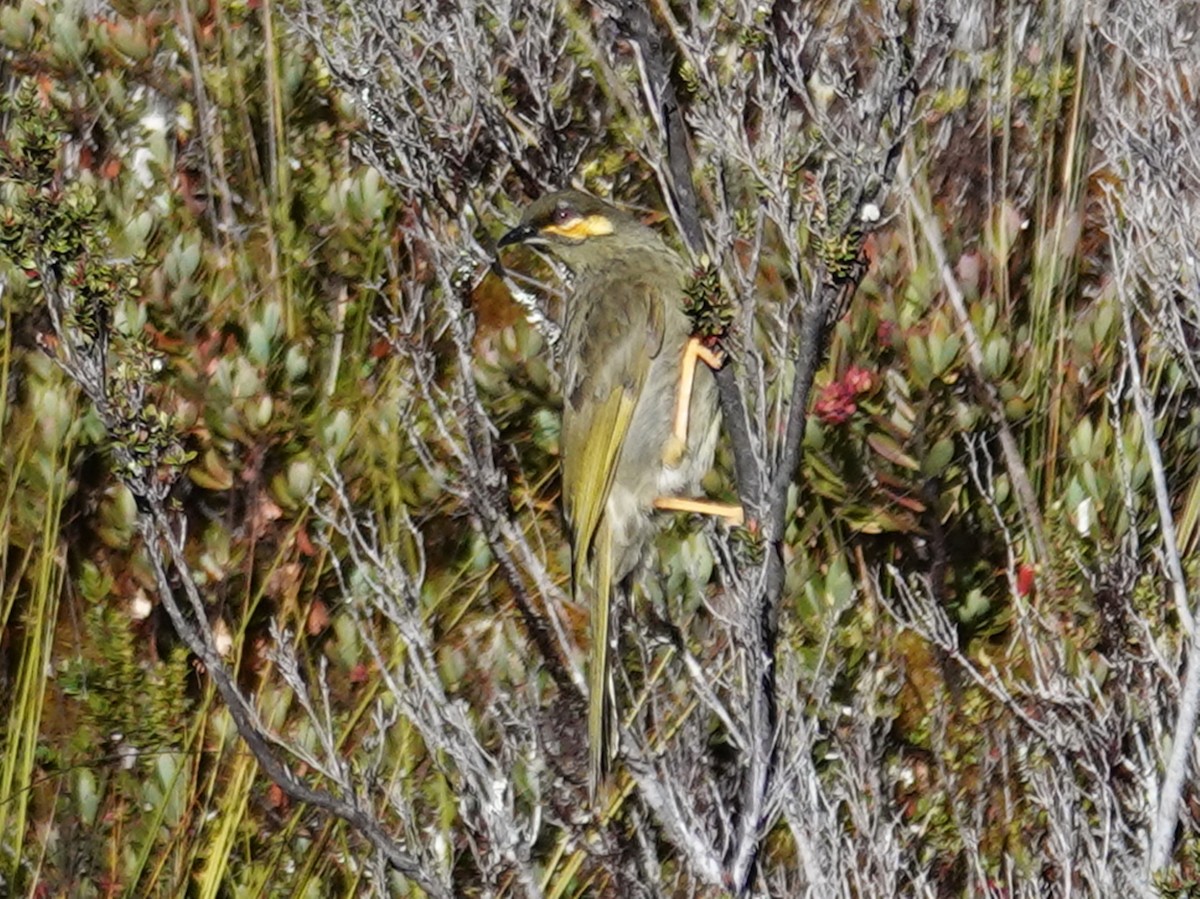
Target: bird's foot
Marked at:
712, 356
674, 451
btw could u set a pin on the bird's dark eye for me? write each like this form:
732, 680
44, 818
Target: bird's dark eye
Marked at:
563, 214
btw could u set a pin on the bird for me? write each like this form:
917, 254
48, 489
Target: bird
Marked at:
640, 417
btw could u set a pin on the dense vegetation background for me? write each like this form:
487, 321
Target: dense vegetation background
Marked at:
283, 607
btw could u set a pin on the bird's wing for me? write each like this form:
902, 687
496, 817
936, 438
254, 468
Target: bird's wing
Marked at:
601, 393
604, 380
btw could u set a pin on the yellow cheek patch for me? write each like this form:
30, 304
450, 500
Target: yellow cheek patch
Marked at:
581, 228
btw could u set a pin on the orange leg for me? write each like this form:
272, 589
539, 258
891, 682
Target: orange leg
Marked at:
732, 513
694, 351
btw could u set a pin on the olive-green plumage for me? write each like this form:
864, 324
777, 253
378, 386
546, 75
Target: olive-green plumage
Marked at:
623, 347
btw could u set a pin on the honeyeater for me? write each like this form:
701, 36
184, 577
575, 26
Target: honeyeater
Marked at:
640, 415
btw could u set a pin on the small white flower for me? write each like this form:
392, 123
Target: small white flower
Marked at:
140, 606
1083, 516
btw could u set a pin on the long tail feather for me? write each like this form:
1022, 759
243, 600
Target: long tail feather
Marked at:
600, 728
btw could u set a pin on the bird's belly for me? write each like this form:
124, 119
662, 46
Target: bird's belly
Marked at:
627, 514
642, 475
684, 478
629, 509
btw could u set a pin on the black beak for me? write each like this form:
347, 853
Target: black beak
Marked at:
519, 234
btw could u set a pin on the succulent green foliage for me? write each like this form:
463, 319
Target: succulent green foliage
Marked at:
706, 303
839, 254
269, 310
48, 221
118, 691
202, 361
1183, 881
57, 233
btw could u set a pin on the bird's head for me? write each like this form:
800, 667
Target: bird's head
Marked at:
579, 229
